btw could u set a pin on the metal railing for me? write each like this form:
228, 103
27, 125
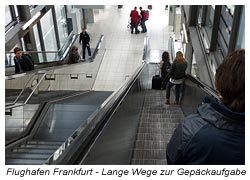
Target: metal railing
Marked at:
13, 105
43, 56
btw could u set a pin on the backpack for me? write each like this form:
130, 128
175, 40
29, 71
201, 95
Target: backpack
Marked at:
146, 14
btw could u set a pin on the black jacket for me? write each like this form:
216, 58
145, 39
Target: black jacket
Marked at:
214, 135
84, 38
177, 70
25, 63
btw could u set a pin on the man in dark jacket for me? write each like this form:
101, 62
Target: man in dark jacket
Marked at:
143, 20
22, 61
84, 40
216, 133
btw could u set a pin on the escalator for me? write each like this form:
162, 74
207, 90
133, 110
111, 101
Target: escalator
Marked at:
130, 126
142, 125
57, 123
133, 126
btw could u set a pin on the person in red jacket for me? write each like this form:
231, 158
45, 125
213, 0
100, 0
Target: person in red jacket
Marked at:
134, 20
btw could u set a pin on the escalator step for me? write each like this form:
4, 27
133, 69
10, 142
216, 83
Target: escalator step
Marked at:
153, 137
148, 162
39, 146
24, 161
34, 151
150, 154
150, 130
54, 143
17, 155
150, 144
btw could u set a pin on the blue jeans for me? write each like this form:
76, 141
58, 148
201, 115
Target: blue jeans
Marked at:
177, 90
143, 25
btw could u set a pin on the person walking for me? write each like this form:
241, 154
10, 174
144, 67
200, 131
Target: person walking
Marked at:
134, 20
177, 75
143, 20
84, 41
215, 135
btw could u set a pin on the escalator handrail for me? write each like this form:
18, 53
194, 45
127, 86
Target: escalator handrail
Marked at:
98, 46
210, 74
211, 91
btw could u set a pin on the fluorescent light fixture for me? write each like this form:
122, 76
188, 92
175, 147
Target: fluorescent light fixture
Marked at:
29, 22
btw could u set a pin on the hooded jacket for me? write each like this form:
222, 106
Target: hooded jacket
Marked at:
214, 135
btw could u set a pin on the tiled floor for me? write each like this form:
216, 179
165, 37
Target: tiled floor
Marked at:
123, 49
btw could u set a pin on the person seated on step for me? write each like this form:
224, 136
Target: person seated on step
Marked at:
74, 56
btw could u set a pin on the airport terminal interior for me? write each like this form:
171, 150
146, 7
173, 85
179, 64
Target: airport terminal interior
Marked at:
103, 109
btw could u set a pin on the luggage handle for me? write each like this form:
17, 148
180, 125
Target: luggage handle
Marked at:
158, 69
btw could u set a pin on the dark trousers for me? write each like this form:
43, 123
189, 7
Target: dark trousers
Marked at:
84, 46
177, 90
134, 25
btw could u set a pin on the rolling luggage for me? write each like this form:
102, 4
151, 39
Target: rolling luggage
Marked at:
156, 82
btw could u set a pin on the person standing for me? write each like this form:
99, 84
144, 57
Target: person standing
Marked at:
84, 41
215, 135
134, 20
143, 20
165, 68
22, 61
177, 75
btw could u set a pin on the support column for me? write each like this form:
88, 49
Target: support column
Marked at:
189, 56
193, 15
29, 38
177, 23
215, 29
171, 15
235, 28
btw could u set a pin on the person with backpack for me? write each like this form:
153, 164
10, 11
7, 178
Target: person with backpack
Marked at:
165, 67
23, 62
144, 18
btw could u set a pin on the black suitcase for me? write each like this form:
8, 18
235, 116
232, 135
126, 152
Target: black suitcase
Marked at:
156, 82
